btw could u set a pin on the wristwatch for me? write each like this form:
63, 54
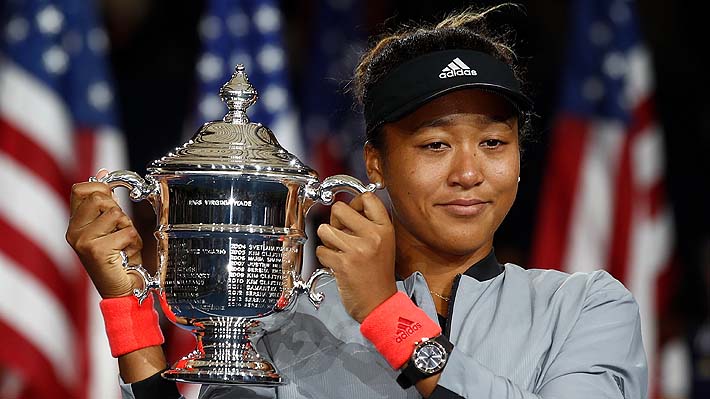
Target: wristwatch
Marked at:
429, 357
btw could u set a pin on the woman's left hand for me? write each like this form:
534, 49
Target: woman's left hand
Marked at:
359, 247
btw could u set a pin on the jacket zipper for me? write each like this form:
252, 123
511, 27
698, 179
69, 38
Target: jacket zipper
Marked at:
450, 313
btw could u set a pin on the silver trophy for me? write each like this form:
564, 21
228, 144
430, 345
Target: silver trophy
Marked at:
231, 206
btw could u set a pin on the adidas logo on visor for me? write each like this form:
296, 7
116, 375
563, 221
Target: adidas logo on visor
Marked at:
456, 68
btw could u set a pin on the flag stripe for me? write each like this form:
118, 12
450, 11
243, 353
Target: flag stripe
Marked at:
31, 156
559, 192
33, 366
622, 213
588, 241
626, 191
48, 327
36, 211
101, 381
35, 109
35, 261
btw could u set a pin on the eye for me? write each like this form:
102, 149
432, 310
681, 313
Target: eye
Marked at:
492, 143
436, 146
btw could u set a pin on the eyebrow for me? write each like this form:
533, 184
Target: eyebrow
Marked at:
448, 120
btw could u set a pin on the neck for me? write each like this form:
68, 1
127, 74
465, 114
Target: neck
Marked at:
438, 267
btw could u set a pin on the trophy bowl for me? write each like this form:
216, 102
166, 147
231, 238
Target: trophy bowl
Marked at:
231, 206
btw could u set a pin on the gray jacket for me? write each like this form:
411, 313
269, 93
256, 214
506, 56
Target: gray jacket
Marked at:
522, 334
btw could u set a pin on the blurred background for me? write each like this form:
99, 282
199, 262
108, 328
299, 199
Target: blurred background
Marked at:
616, 176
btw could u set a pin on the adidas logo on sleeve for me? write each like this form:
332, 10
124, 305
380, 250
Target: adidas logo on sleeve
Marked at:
457, 68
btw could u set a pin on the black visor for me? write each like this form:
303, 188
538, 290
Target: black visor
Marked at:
418, 81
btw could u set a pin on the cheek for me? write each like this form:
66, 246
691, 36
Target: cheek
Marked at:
406, 172
411, 183
504, 176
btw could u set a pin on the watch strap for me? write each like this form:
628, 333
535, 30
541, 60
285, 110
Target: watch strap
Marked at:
410, 374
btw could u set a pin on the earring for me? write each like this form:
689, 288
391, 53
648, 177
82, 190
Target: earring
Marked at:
518, 179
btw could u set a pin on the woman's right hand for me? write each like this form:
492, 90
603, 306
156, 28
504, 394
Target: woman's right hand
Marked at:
98, 231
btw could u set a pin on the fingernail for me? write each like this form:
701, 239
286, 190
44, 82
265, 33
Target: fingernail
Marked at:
101, 172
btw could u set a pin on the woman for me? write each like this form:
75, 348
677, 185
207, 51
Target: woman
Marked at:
445, 116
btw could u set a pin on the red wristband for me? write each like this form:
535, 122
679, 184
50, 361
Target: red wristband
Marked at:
395, 326
129, 325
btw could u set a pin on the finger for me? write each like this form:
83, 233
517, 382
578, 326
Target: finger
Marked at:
334, 238
344, 217
372, 207
108, 222
328, 257
134, 249
91, 208
82, 191
124, 239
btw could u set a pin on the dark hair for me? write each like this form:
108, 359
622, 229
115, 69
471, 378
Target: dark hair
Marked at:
467, 29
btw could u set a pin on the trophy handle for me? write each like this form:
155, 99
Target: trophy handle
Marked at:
149, 282
140, 189
316, 297
324, 192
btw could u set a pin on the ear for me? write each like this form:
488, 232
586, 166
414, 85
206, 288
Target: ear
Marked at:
373, 164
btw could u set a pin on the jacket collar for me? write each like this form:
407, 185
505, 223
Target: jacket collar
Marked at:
486, 268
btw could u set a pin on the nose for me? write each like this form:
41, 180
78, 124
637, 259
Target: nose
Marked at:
465, 168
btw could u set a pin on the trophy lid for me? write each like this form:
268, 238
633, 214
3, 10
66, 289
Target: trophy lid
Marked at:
233, 144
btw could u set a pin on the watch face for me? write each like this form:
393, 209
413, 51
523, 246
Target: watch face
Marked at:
430, 357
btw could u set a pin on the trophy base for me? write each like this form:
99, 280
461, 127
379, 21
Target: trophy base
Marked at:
198, 370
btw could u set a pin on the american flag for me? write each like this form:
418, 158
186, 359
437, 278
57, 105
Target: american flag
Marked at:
603, 203
56, 127
242, 32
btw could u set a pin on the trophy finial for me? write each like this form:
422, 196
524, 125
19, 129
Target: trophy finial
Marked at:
238, 94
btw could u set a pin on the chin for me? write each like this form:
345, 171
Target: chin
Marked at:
459, 245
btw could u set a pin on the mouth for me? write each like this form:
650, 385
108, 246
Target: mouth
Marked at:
465, 207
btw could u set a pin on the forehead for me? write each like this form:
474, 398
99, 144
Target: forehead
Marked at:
483, 104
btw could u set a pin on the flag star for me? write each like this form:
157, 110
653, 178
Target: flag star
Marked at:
100, 96
210, 67
55, 60
50, 20
275, 98
97, 40
600, 34
615, 65
238, 24
270, 58
210, 27
592, 89
267, 19
211, 107
16, 30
